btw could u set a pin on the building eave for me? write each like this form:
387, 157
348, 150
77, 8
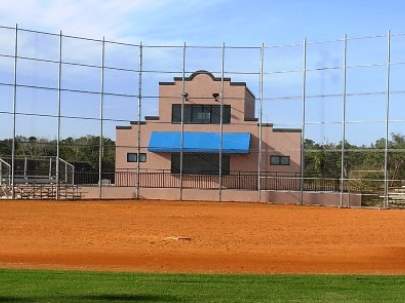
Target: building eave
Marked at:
204, 72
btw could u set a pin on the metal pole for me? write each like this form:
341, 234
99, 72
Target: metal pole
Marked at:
50, 170
138, 166
304, 92
25, 169
387, 116
261, 95
342, 152
221, 122
183, 99
73, 175
100, 152
66, 173
14, 113
59, 116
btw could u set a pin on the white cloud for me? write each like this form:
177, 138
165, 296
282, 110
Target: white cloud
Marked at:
111, 18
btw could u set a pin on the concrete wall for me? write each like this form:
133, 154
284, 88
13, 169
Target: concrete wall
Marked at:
277, 197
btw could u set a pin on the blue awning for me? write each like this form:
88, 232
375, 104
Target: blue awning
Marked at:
199, 142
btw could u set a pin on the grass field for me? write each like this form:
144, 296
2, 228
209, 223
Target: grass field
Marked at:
28, 286
40, 239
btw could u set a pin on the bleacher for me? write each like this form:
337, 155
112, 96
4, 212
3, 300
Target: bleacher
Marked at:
41, 192
35, 178
396, 197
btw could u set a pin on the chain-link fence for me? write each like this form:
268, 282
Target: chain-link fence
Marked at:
312, 122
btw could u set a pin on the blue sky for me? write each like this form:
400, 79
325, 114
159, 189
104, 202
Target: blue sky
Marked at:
210, 21
170, 22
253, 22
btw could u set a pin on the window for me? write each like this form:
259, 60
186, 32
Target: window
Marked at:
200, 164
280, 160
142, 157
133, 157
201, 114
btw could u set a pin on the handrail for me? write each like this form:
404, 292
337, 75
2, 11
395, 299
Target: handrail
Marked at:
2, 162
5, 163
67, 163
71, 166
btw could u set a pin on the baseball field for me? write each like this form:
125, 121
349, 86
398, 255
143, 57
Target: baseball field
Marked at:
161, 251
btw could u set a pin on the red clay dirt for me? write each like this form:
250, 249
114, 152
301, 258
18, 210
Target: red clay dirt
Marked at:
218, 237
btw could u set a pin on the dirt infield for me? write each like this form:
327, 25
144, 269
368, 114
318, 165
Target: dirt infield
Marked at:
201, 237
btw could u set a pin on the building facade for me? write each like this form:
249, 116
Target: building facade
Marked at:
161, 139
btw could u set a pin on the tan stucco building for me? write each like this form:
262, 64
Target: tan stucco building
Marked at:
160, 139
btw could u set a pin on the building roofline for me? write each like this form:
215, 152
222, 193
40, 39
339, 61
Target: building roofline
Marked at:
265, 124
129, 126
281, 130
201, 72
251, 119
137, 122
287, 130
152, 118
204, 72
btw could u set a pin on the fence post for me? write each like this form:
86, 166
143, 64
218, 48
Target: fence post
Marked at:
221, 122
66, 173
50, 170
14, 114
101, 117
138, 164
304, 92
25, 169
57, 167
73, 175
261, 94
183, 99
387, 117
342, 151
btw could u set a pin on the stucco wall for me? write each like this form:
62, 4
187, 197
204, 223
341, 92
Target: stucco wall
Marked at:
277, 197
200, 89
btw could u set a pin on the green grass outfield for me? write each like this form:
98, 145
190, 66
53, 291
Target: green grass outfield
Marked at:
27, 286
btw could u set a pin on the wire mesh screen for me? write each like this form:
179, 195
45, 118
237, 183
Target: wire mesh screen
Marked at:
311, 122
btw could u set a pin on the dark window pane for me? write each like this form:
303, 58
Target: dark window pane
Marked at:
203, 114
226, 164
226, 114
215, 116
176, 113
132, 157
285, 160
142, 157
280, 160
200, 114
275, 160
187, 113
195, 110
175, 163
201, 164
